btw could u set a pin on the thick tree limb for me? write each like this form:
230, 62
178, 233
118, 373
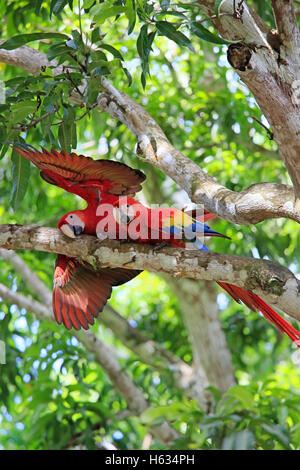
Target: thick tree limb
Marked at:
254, 204
147, 350
28, 59
265, 278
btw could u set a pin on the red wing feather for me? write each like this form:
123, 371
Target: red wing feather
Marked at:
200, 215
82, 175
80, 293
255, 304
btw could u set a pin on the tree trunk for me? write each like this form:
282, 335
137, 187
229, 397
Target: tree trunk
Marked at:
200, 313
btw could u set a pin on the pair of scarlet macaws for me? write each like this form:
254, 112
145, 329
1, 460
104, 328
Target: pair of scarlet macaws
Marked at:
80, 292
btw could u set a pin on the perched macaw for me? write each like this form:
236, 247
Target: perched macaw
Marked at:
108, 187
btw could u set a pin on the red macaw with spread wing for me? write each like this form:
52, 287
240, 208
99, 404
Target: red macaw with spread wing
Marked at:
108, 187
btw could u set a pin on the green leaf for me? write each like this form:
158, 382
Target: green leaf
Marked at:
67, 131
154, 416
172, 13
99, 7
242, 394
128, 75
131, 14
97, 35
276, 432
169, 30
71, 43
88, 3
113, 11
241, 440
64, 136
78, 40
143, 80
142, 41
4, 107
57, 6
140, 4
38, 5
105, 10
205, 34
57, 49
112, 50
22, 109
21, 39
20, 178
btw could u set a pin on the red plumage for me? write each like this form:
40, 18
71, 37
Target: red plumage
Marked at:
256, 304
79, 292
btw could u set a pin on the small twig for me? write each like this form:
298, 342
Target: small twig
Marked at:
82, 66
79, 118
24, 127
238, 10
270, 133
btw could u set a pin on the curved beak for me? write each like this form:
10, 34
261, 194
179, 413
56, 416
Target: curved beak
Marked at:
71, 231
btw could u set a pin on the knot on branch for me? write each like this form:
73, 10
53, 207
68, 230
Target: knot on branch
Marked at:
274, 39
239, 56
269, 278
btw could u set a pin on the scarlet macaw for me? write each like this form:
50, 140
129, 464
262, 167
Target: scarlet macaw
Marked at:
79, 292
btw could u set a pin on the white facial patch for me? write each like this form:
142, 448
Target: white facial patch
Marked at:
66, 229
74, 219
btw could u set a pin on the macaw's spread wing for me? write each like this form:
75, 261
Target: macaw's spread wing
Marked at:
83, 175
80, 293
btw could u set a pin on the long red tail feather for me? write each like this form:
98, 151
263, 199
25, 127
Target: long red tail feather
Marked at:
255, 304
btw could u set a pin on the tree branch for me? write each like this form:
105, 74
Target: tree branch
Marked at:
265, 278
28, 59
